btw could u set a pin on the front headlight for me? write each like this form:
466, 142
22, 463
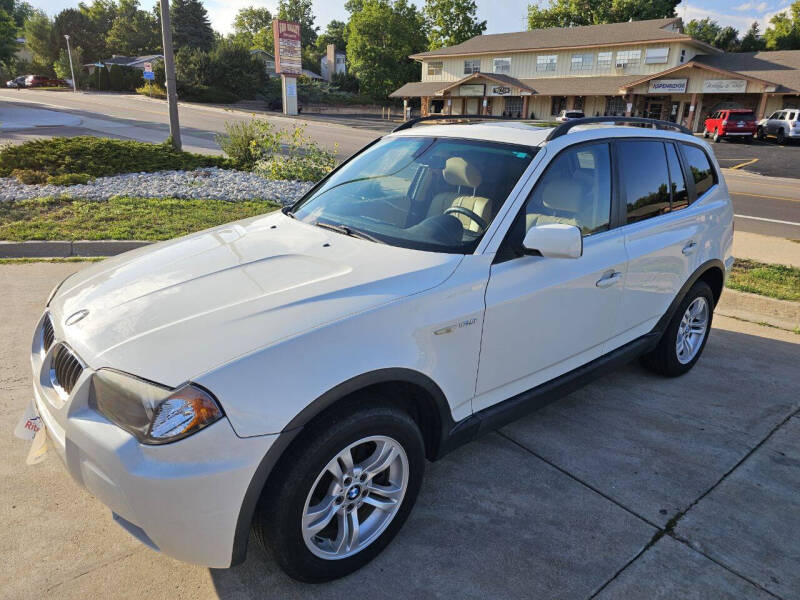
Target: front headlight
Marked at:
152, 413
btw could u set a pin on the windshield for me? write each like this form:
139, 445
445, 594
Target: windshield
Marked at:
437, 194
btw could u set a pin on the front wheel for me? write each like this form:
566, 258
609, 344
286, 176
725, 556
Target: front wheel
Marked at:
685, 337
343, 493
717, 137
760, 134
781, 137
705, 133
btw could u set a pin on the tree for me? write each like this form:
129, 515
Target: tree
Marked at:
727, 39
74, 23
336, 34
252, 20
567, 13
61, 65
8, 36
101, 15
451, 22
709, 31
299, 11
380, 38
190, 25
134, 31
752, 40
39, 37
784, 30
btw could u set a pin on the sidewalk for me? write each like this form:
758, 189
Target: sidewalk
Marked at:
766, 249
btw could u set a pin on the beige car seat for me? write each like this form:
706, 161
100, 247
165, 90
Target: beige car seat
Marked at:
460, 174
560, 203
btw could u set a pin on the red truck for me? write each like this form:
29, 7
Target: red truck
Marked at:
731, 123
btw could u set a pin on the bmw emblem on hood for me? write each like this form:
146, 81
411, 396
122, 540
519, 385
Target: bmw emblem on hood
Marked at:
75, 317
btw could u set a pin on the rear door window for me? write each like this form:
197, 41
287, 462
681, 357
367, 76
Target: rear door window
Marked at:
645, 178
680, 195
700, 167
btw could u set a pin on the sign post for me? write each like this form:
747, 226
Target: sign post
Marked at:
288, 61
149, 76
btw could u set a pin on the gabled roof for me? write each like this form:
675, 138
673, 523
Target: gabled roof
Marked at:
781, 67
496, 77
130, 61
551, 38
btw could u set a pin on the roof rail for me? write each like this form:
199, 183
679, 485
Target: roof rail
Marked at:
411, 122
564, 128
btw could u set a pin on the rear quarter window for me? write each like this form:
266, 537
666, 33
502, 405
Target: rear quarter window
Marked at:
700, 168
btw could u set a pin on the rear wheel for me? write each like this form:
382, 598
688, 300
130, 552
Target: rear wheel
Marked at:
685, 337
343, 493
717, 137
705, 132
760, 134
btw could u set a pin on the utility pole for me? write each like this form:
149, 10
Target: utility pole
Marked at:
169, 68
71, 70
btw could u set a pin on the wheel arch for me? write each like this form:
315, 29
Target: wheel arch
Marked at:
415, 392
712, 272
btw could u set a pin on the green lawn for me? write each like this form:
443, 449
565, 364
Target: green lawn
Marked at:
775, 281
119, 218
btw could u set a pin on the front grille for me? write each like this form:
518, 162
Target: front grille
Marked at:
48, 333
66, 368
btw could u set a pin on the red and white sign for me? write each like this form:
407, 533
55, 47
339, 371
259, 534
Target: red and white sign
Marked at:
148, 67
288, 59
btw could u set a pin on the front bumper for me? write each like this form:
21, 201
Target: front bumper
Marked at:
182, 499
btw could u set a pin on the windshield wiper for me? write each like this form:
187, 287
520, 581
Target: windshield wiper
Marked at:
347, 230
287, 210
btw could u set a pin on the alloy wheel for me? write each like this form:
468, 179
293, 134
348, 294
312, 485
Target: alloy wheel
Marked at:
692, 330
355, 497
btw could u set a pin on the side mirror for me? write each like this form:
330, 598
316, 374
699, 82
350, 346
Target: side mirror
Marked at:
554, 240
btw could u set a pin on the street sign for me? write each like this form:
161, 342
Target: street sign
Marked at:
149, 75
148, 67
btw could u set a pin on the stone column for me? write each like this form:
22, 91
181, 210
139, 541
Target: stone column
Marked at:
425, 106
525, 113
762, 107
692, 112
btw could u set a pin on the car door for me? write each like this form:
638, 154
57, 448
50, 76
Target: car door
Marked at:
663, 234
547, 316
774, 123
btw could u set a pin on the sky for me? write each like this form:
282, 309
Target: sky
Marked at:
501, 15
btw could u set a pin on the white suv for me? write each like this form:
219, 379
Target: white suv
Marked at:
783, 124
292, 372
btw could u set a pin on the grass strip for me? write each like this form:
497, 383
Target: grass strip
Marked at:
149, 219
775, 281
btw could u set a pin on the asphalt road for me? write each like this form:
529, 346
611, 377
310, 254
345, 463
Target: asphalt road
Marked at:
762, 205
635, 486
137, 117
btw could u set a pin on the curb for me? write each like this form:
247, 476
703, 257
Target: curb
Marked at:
783, 314
64, 249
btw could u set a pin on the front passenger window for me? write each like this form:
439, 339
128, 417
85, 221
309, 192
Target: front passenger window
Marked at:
575, 189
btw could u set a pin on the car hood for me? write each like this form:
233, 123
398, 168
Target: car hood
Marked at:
172, 311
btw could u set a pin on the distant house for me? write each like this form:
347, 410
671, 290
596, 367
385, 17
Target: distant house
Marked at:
135, 62
333, 63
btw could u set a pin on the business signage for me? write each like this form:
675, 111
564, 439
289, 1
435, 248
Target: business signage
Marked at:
472, 89
500, 90
724, 86
288, 60
667, 86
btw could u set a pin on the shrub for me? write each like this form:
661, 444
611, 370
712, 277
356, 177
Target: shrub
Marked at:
69, 179
29, 176
154, 90
98, 157
276, 153
211, 95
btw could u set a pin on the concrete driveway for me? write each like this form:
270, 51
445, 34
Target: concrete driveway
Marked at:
633, 487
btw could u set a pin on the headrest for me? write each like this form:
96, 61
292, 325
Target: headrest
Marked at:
458, 171
562, 194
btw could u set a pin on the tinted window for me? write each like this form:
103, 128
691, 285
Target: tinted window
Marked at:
700, 167
643, 170
680, 196
575, 189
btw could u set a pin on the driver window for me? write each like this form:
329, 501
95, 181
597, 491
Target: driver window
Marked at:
575, 189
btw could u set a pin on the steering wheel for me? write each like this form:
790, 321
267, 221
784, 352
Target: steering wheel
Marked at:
483, 225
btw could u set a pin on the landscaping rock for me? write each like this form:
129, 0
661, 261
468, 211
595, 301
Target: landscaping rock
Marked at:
210, 183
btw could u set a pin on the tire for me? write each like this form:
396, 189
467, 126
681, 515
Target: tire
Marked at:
760, 134
666, 358
748, 139
780, 137
705, 133
303, 481
717, 137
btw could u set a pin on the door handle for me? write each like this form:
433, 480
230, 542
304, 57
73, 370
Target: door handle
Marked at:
689, 248
609, 279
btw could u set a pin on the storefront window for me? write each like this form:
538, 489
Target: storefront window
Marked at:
502, 65
577, 103
582, 62
435, 68
513, 107
546, 62
558, 104
615, 106
472, 66
604, 60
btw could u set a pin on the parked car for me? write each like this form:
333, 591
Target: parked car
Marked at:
569, 115
17, 82
292, 372
33, 81
738, 123
782, 124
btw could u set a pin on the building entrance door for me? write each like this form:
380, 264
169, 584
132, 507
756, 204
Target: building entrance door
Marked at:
472, 106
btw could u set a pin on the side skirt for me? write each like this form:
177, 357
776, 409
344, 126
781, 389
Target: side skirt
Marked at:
503, 413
